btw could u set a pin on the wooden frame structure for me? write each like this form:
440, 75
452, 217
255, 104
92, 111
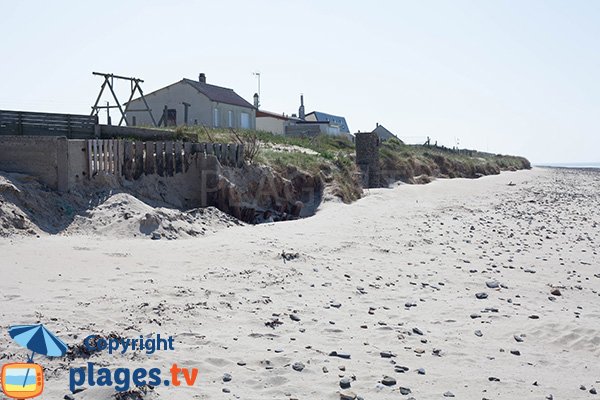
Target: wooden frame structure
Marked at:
135, 86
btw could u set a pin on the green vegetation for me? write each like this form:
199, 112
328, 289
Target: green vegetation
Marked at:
419, 164
331, 159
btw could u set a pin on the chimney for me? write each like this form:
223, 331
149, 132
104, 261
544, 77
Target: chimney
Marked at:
301, 109
202, 77
376, 124
256, 101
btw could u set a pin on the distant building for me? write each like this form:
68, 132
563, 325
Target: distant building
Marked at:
383, 133
190, 102
274, 123
311, 124
334, 120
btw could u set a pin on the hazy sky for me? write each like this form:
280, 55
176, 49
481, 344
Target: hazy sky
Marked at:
520, 77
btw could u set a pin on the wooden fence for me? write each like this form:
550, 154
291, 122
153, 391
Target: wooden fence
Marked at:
46, 124
132, 159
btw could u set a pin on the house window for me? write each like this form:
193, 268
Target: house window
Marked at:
216, 117
230, 119
245, 120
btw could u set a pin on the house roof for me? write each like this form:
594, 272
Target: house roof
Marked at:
336, 119
383, 132
218, 93
262, 113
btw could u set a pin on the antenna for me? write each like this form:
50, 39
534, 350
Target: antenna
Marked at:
257, 74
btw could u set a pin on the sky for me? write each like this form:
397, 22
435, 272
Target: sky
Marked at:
504, 76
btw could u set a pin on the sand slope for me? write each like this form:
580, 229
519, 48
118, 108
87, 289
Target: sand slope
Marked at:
398, 271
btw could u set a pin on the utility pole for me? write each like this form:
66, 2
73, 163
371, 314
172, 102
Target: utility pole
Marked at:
257, 74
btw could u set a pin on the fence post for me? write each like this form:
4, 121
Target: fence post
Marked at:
160, 160
169, 158
149, 165
178, 159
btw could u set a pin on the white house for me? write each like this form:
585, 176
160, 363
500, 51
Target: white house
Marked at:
190, 102
273, 122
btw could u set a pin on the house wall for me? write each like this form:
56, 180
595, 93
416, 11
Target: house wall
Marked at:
173, 96
237, 116
200, 111
271, 124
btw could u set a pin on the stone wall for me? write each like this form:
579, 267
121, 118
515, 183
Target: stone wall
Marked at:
367, 158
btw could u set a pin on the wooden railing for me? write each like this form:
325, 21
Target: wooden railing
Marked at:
46, 124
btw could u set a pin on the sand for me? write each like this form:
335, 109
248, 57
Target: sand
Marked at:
396, 272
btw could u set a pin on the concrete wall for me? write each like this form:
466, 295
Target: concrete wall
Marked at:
37, 156
200, 111
77, 162
271, 124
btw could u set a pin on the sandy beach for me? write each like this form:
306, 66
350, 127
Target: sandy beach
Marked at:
473, 289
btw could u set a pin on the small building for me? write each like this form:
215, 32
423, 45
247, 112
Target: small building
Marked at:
190, 102
383, 133
334, 120
273, 122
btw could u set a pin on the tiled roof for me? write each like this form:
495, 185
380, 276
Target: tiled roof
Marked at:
219, 94
335, 119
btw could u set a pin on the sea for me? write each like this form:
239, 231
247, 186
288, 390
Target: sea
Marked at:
595, 165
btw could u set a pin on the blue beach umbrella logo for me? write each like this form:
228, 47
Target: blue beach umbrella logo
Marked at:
39, 340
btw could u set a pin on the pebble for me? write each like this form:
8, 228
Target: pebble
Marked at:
400, 369
421, 371
417, 331
388, 381
297, 366
493, 379
481, 295
518, 338
340, 355
515, 352
448, 394
593, 391
226, 390
347, 395
227, 377
241, 363
492, 284
345, 383
404, 390
69, 397
555, 292
294, 317
478, 333
387, 354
